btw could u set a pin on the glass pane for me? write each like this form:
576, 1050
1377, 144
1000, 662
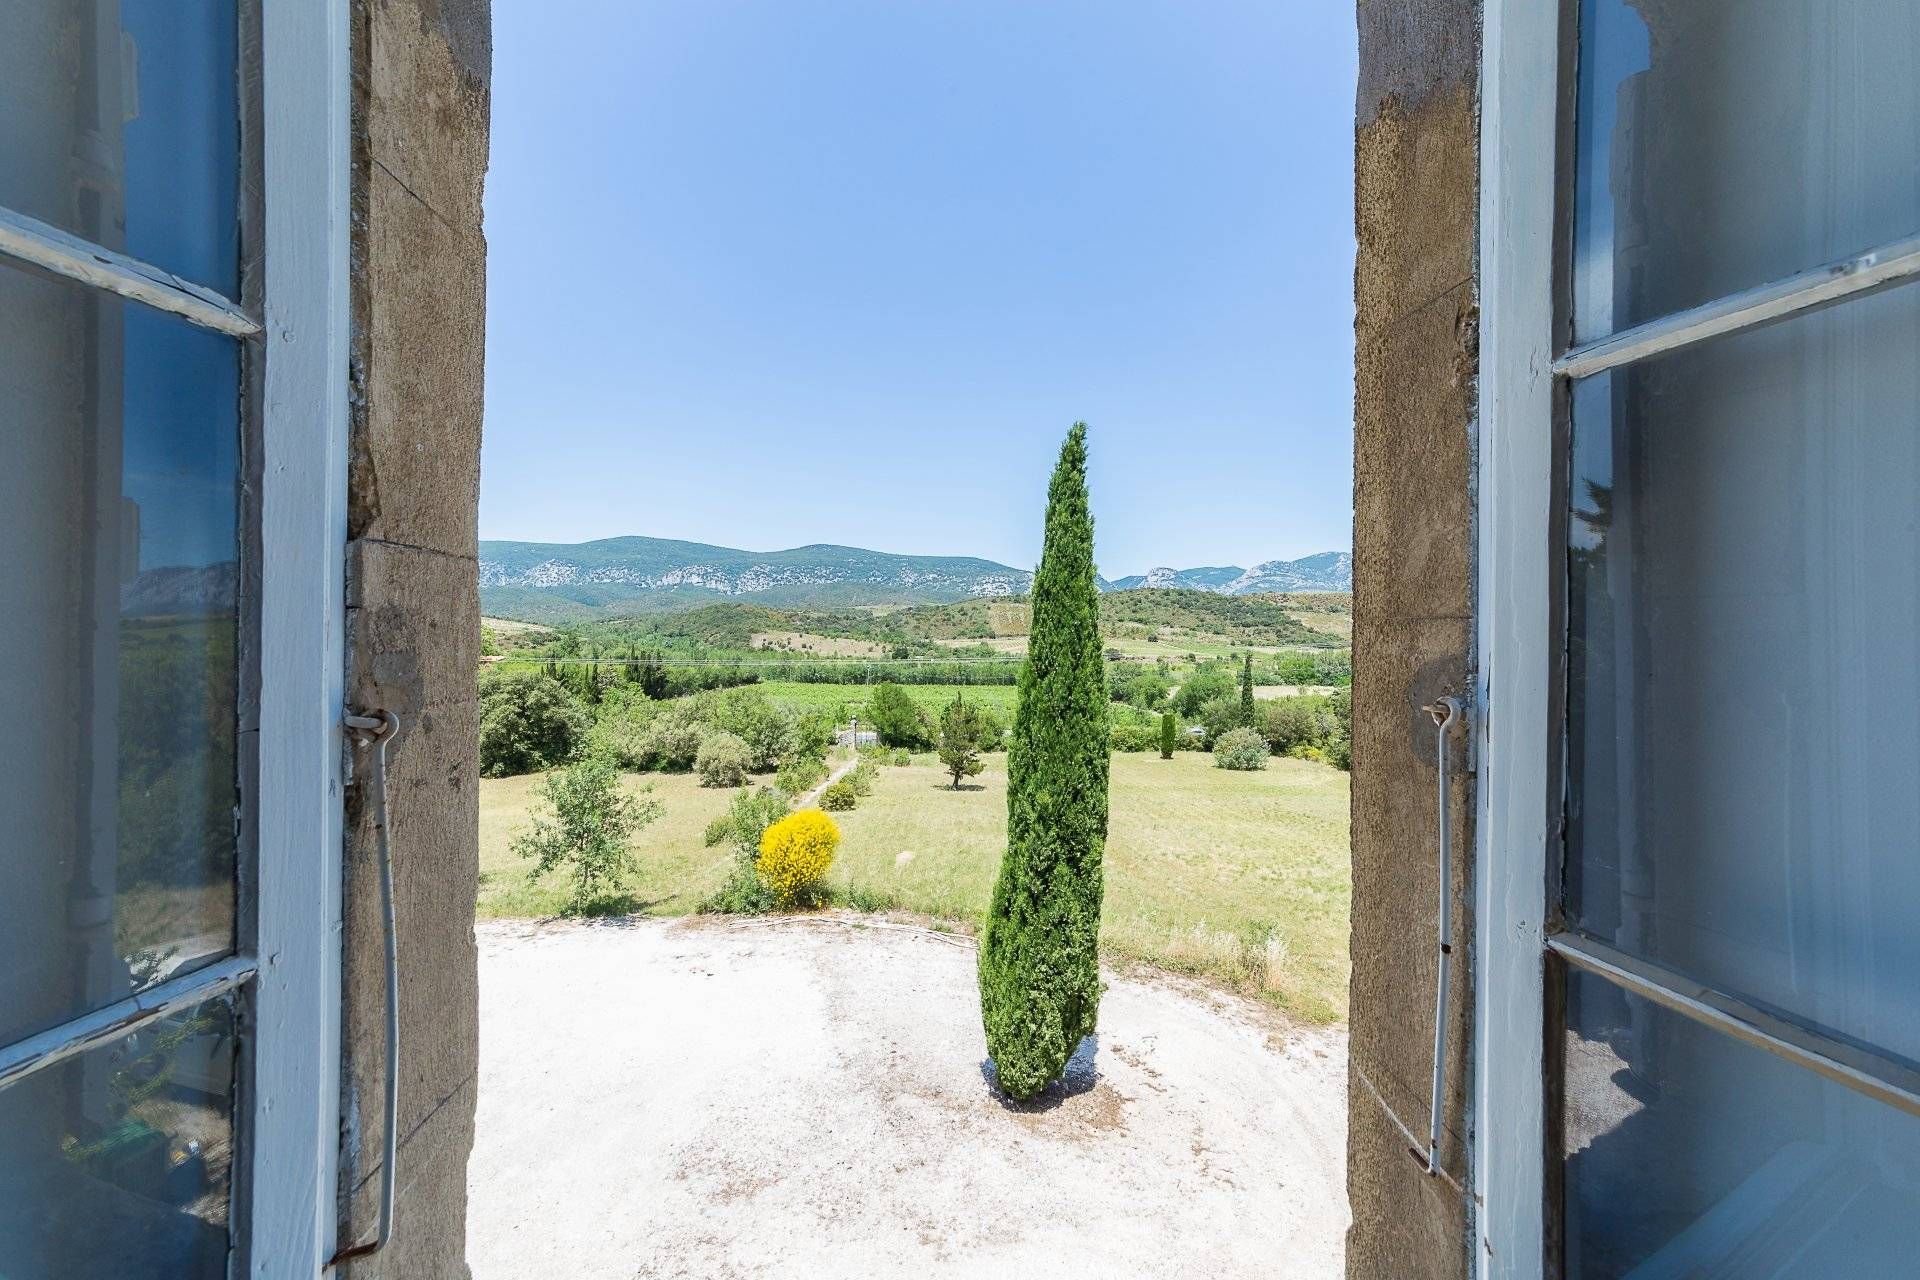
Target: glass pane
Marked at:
1744, 666
118, 512
1722, 144
117, 1163
119, 123
1690, 1154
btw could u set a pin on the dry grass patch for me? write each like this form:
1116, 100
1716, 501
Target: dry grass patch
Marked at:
1241, 878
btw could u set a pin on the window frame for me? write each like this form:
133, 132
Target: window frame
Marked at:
1528, 366
292, 323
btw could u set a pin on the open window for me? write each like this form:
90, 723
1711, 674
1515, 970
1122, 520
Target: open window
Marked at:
1699, 1049
172, 278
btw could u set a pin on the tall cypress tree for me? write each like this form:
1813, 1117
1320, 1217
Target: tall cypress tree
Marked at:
1248, 717
1039, 957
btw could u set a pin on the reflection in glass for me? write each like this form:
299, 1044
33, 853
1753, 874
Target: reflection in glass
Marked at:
116, 1164
119, 515
1722, 144
1690, 1154
123, 128
1744, 666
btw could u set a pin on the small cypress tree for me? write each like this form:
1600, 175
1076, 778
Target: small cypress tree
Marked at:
1169, 730
1039, 956
1248, 716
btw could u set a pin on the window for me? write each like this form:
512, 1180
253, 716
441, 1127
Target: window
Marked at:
170, 283
1701, 786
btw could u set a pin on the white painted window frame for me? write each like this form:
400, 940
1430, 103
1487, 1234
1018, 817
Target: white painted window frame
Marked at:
284, 1207
1518, 126
1517, 638
306, 81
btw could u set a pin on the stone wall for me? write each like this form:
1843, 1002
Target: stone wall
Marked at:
421, 70
1416, 220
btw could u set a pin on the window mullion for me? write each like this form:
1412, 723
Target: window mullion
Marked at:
1846, 1064
1880, 268
32, 241
34, 1054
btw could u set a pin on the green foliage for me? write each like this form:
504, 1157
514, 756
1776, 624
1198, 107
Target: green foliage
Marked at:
724, 760
1249, 715
1219, 715
799, 776
1039, 956
1304, 721
589, 832
768, 733
902, 757
861, 778
963, 731
839, 797
1169, 734
1339, 749
898, 719
1313, 668
1200, 688
1242, 749
747, 818
528, 722
1133, 737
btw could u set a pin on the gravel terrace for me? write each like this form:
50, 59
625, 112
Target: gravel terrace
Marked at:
715, 1099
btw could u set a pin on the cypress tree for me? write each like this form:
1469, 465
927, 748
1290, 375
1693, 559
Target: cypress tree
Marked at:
1169, 728
1248, 717
1039, 956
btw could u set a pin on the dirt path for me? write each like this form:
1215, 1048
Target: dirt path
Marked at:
813, 797
707, 1099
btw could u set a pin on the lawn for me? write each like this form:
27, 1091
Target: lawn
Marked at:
1242, 878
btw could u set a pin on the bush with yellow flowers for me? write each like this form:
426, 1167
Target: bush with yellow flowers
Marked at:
795, 853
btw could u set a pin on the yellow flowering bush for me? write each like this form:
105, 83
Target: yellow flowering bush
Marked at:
795, 853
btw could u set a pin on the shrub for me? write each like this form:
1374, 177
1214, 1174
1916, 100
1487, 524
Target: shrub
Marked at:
667, 738
1340, 744
1241, 749
1200, 687
528, 722
1303, 721
1039, 956
902, 757
1301, 751
1169, 733
839, 797
861, 778
1132, 737
897, 718
797, 777
768, 733
742, 826
1219, 715
723, 760
590, 831
813, 734
795, 853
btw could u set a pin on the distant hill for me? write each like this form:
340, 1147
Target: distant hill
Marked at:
627, 577
1328, 571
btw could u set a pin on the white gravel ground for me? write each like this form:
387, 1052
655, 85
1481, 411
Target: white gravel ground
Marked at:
713, 1099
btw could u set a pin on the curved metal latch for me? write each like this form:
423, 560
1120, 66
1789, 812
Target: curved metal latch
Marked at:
1449, 717
377, 730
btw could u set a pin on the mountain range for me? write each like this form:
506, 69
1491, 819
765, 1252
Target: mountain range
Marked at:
556, 582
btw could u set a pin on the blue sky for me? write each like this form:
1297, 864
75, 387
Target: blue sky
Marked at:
772, 272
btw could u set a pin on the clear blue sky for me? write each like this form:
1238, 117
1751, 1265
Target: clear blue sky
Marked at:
771, 272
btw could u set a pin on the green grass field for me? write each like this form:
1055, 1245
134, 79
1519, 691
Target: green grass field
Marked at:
1241, 878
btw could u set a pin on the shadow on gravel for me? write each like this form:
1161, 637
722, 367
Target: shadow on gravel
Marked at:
1080, 1077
